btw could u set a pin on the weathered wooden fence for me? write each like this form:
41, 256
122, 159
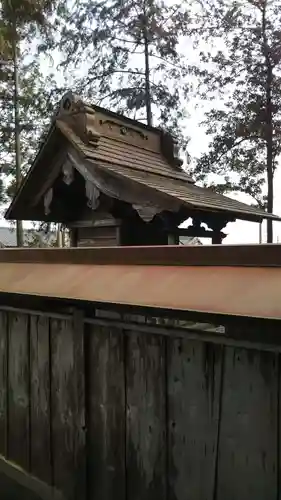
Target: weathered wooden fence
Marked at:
106, 412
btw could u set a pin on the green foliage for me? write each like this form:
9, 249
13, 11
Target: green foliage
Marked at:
23, 20
2, 191
110, 36
126, 55
37, 98
245, 126
26, 11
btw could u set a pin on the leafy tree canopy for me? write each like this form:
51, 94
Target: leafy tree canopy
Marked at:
128, 54
242, 67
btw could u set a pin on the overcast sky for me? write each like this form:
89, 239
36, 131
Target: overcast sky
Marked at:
239, 231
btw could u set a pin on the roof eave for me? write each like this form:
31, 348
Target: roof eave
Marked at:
245, 216
9, 215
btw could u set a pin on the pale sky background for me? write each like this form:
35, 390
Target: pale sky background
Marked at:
237, 232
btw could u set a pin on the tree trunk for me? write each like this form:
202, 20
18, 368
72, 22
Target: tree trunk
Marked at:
147, 73
269, 128
269, 153
19, 228
269, 187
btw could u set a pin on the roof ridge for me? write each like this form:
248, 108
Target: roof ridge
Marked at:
92, 154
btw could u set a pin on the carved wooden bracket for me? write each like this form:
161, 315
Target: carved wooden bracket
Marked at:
93, 194
200, 232
217, 222
47, 201
68, 172
147, 213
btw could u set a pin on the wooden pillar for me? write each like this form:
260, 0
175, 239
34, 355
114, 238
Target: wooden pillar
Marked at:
216, 224
173, 239
217, 238
73, 237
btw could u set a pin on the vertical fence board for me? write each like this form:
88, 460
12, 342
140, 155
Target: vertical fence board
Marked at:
67, 408
40, 452
165, 418
106, 414
18, 406
3, 381
247, 465
278, 436
79, 405
146, 417
194, 378
62, 383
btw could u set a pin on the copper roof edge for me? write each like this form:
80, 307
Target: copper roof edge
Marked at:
266, 255
246, 291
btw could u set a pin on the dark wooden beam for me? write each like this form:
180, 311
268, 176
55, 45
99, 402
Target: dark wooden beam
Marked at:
225, 330
49, 181
205, 255
216, 224
200, 232
16, 484
217, 237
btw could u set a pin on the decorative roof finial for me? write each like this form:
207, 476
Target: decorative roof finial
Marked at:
82, 117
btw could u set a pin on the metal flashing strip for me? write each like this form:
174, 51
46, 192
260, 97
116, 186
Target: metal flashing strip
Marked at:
248, 292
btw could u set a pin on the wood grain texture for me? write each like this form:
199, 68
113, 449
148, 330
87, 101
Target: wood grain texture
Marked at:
15, 484
19, 396
67, 408
247, 466
3, 381
40, 413
146, 417
136, 416
106, 414
194, 377
79, 405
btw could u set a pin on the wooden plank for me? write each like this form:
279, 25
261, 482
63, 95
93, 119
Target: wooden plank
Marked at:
146, 417
68, 407
106, 413
40, 398
194, 381
16, 484
3, 381
247, 466
79, 405
18, 404
278, 437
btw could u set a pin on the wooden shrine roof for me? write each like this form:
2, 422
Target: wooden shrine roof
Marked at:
138, 156
141, 156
